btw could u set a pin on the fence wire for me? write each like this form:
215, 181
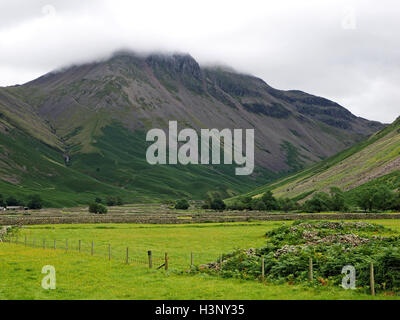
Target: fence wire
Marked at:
98, 249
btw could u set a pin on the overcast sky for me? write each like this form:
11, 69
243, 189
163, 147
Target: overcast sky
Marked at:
344, 50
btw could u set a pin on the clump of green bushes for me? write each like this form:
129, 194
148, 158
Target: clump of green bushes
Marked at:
182, 204
368, 199
214, 203
267, 202
34, 202
330, 245
378, 198
97, 208
113, 201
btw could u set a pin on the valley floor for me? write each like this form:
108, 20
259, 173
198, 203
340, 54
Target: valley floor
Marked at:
164, 214
91, 275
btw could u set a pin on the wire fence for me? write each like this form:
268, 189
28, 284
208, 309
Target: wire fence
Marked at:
150, 258
99, 249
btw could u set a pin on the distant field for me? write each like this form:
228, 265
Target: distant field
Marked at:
163, 214
82, 276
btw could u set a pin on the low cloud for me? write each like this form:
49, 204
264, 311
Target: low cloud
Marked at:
346, 51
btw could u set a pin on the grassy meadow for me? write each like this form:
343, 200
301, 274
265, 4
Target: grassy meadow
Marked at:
82, 276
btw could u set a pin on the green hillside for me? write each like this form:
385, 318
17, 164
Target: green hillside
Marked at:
78, 133
118, 169
375, 161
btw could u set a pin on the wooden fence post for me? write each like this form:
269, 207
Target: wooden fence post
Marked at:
66, 245
92, 252
310, 274
25, 241
109, 251
44, 243
372, 279
191, 259
262, 269
33, 242
127, 255
16, 239
166, 261
150, 254
55, 244
79, 245
220, 262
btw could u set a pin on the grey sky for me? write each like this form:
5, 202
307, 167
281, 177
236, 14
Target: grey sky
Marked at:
344, 50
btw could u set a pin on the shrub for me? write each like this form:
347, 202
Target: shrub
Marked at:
365, 199
12, 201
270, 202
218, 205
287, 204
35, 202
246, 201
98, 200
383, 198
318, 203
97, 208
258, 204
113, 201
237, 205
182, 204
331, 245
396, 201
337, 199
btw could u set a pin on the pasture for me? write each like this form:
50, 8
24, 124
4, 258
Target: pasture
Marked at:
83, 276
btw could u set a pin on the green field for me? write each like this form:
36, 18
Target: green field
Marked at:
82, 276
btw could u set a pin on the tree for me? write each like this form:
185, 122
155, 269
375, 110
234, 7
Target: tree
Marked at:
113, 201
364, 199
237, 205
337, 199
318, 203
258, 204
182, 204
207, 202
12, 201
246, 201
98, 200
270, 202
383, 198
35, 202
287, 204
118, 201
396, 201
2, 202
97, 208
218, 205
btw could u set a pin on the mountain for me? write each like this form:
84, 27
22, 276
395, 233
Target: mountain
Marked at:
373, 162
80, 131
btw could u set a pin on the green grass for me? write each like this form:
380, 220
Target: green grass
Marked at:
348, 169
81, 276
118, 167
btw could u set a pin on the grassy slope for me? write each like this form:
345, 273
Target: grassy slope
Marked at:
80, 276
352, 169
118, 167
35, 168
121, 161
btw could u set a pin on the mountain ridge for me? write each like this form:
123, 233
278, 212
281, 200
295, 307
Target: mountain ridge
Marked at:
76, 109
